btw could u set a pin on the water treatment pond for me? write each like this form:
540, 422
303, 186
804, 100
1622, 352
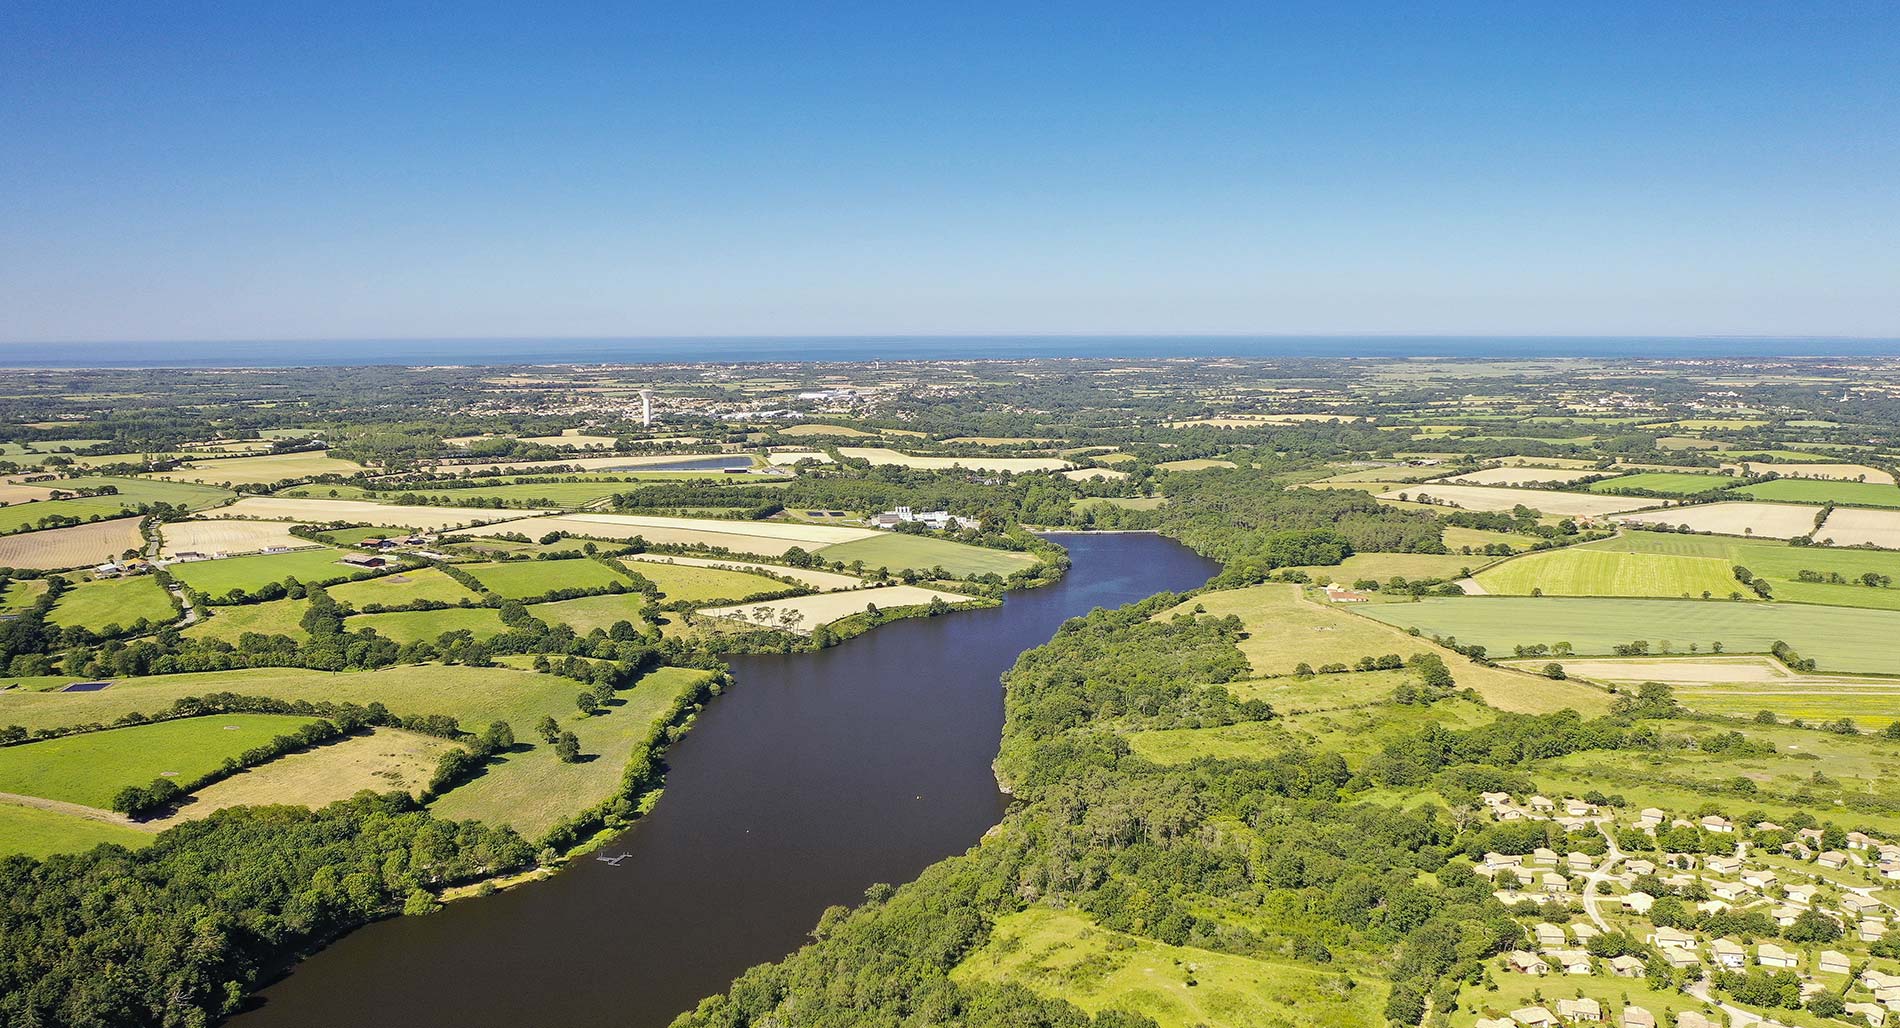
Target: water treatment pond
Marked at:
815, 776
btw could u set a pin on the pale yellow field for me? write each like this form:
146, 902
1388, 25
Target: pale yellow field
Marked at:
584, 463
1762, 520
11, 493
1521, 475
975, 462
385, 760
260, 470
824, 580
1488, 498
1114, 458
1257, 420
1702, 670
314, 511
1837, 472
999, 440
763, 538
1544, 462
786, 458
825, 608
226, 536
809, 430
80, 545
1194, 464
575, 439
1849, 526
1085, 474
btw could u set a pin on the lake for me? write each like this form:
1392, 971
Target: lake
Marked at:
817, 775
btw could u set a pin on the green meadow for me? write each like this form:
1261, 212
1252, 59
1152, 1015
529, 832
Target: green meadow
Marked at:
586, 613
113, 601
231, 622
216, 578
683, 582
406, 626
1819, 490
1582, 572
90, 768
1672, 483
526, 579
1780, 563
36, 833
133, 493
403, 588
896, 551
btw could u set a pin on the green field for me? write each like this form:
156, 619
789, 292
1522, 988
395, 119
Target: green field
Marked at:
1587, 572
215, 578
278, 617
403, 588
897, 551
526, 579
1457, 538
22, 593
1351, 732
1671, 483
1817, 490
42, 833
133, 493
1384, 566
89, 769
1780, 564
1841, 639
590, 612
698, 585
1061, 953
113, 601
1869, 706
406, 626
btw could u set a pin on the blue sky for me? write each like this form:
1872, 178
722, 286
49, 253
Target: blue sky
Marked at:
241, 171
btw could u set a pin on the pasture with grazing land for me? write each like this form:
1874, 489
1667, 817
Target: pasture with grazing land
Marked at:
78, 546
316, 512
1490, 498
91, 767
680, 582
765, 538
132, 494
1766, 520
798, 431
824, 608
586, 613
1841, 472
403, 588
1194, 464
215, 578
968, 462
1782, 565
383, 760
113, 601
527, 579
1586, 572
898, 550
823, 581
229, 623
1672, 483
37, 833
1814, 490
406, 626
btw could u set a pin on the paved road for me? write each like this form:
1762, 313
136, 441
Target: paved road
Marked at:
1612, 857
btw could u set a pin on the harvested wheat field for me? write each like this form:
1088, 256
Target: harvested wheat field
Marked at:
835, 430
826, 581
825, 608
262, 470
1524, 476
311, 511
584, 463
972, 462
1853, 526
1488, 498
764, 538
1085, 474
73, 547
1762, 520
226, 536
786, 458
1837, 472
12, 492
385, 760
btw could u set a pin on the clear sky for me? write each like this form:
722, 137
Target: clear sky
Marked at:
188, 170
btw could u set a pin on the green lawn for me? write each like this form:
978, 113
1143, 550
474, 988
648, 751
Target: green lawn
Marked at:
22, 593
42, 833
1671, 483
1586, 572
526, 579
89, 769
1816, 490
406, 626
278, 617
698, 585
133, 493
1780, 564
1061, 953
402, 589
215, 578
1842, 639
897, 551
113, 601
590, 612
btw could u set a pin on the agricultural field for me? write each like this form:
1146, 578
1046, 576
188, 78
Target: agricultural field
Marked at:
679, 582
1194, 464
764, 538
1839, 472
1589, 572
383, 760
215, 578
1092, 474
1491, 498
1673, 483
823, 581
39, 833
1348, 731
132, 494
22, 593
1061, 953
1743, 686
263, 470
527, 579
78, 546
1763, 520
787, 458
90, 768
824, 608
641, 462
1838, 639
1124, 502
1850, 527
1814, 490
316, 512
968, 462
1383, 567
1523, 475
898, 550
802, 431
403, 588
229, 623
1781, 565
225, 535
113, 601
407, 626
1457, 538
586, 613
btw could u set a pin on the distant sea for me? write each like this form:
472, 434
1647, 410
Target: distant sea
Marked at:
739, 349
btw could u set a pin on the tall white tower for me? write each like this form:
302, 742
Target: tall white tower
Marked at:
646, 407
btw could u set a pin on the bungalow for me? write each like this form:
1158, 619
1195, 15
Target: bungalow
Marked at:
1495, 1022
1770, 955
1833, 860
1768, 826
1723, 865
1578, 808
1809, 835
1860, 841
1509, 814
1583, 1009
1716, 823
1638, 902
1872, 929
1548, 935
1666, 938
1640, 867
1681, 959
1542, 804
1494, 799
1570, 961
1578, 861
1787, 914
1728, 953
1524, 962
1534, 1017
1855, 903
1650, 817
1730, 891
1497, 860
1553, 883
1544, 855
1878, 980
1759, 878
1637, 1017
1833, 962
183, 556
1585, 932
1875, 1014
1696, 1019
1890, 869
1626, 966
1799, 893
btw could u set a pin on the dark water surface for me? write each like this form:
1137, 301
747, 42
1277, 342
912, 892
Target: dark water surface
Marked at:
817, 775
